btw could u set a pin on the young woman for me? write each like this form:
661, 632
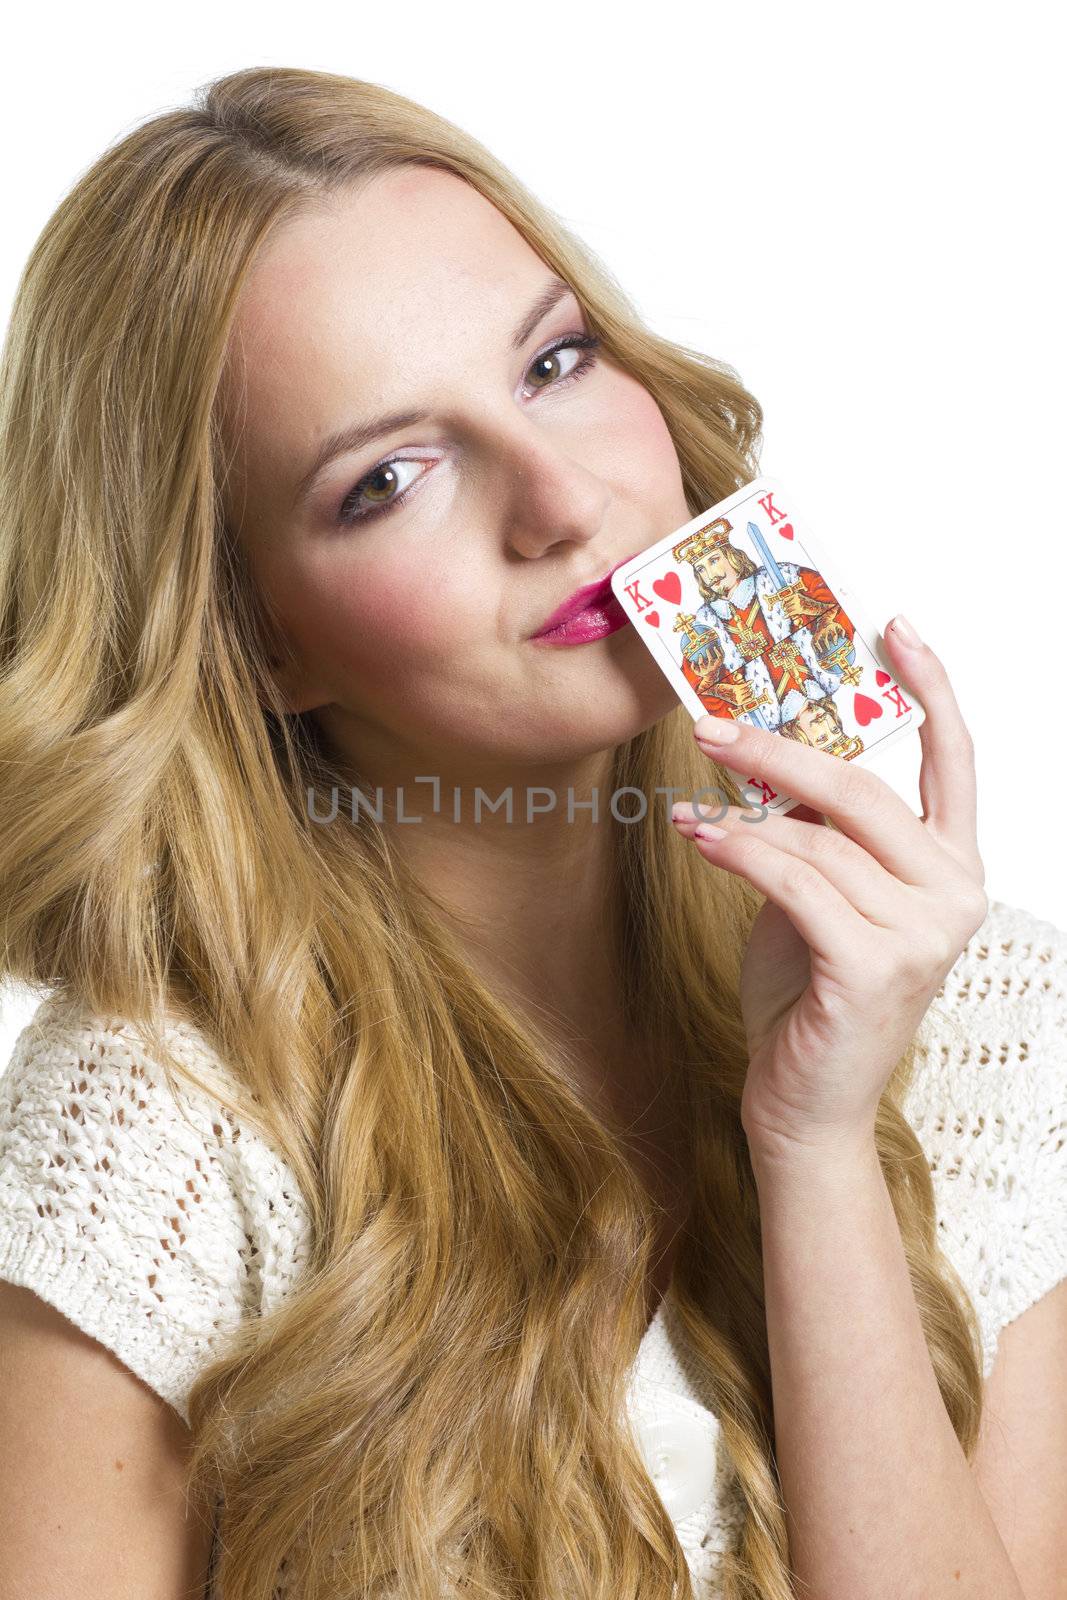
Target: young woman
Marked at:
404, 1197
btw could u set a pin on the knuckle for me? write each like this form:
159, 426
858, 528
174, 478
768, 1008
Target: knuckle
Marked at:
921, 955
800, 880
935, 667
974, 907
934, 948
825, 844
963, 744
854, 788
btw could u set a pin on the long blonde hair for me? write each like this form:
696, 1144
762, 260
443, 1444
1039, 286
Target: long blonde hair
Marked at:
441, 1396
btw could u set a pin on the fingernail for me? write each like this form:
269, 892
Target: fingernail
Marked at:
716, 730
708, 830
904, 631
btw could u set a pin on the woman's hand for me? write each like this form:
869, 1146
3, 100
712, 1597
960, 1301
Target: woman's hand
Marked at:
861, 921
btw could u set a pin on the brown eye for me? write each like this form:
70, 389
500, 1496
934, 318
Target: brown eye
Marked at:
548, 370
381, 483
378, 490
549, 367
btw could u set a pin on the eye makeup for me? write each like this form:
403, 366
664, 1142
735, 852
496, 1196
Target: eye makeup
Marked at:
349, 514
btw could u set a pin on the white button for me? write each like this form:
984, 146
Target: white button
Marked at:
679, 1452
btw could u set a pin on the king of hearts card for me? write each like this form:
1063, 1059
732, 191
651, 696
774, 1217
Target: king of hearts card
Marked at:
748, 618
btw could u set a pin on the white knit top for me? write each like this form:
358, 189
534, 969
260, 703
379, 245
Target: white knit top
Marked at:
157, 1226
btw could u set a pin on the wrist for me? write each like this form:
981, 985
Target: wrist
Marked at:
776, 1158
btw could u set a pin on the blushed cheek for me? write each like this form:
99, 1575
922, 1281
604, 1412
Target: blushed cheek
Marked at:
643, 452
373, 625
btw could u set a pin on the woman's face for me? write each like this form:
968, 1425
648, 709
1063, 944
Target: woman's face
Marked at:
514, 481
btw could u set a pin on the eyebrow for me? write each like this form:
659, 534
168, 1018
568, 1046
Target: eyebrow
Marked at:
354, 437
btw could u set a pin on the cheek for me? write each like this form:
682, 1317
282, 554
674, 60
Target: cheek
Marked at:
641, 444
369, 617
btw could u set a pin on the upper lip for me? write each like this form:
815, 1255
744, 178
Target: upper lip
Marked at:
589, 594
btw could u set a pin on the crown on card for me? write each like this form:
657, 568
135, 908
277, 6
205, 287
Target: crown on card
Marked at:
711, 537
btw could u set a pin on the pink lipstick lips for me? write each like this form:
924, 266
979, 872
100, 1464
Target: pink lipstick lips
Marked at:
591, 612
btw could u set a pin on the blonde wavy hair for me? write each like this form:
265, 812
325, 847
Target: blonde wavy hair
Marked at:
442, 1396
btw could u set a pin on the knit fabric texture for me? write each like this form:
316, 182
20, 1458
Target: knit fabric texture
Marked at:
157, 1223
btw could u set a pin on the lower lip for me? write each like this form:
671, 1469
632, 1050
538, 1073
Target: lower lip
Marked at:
595, 622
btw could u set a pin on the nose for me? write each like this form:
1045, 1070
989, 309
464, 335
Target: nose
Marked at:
550, 498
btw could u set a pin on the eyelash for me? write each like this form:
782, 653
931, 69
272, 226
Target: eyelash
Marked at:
588, 342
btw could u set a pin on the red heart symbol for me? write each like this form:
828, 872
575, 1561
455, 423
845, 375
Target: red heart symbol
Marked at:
882, 677
786, 532
669, 588
652, 618
865, 709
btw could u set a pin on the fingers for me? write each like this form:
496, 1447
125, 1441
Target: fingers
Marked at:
858, 802
821, 914
853, 871
947, 782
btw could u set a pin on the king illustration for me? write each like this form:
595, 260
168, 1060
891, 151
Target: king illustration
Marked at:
748, 607
808, 713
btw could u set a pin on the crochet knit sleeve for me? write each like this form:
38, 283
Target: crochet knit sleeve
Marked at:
153, 1221
988, 1103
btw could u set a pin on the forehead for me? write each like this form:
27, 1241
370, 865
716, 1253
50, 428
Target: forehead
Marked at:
357, 293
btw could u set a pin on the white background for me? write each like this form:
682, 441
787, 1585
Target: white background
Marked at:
860, 208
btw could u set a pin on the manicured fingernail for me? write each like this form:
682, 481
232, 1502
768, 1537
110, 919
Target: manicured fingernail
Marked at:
716, 730
904, 631
708, 830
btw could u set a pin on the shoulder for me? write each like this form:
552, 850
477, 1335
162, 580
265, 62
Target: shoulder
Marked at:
140, 1207
988, 1102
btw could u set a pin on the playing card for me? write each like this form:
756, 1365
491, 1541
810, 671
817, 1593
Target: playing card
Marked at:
749, 617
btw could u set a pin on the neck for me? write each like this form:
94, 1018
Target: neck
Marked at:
530, 900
